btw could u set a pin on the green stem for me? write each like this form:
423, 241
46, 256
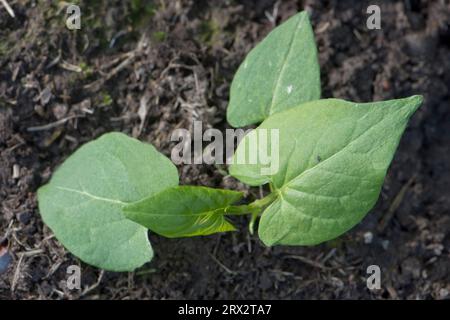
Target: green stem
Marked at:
253, 208
264, 202
237, 210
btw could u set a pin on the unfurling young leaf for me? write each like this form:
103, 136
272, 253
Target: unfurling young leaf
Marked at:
83, 202
333, 159
184, 211
279, 73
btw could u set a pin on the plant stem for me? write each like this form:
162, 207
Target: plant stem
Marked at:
238, 210
253, 208
264, 202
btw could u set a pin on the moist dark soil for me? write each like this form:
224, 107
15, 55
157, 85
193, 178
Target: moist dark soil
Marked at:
146, 68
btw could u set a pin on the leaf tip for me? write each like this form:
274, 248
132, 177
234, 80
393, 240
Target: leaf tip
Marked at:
417, 99
413, 103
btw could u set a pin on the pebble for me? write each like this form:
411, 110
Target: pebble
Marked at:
368, 237
443, 293
385, 244
16, 171
24, 217
46, 95
5, 260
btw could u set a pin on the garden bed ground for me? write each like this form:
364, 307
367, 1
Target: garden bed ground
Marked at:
151, 67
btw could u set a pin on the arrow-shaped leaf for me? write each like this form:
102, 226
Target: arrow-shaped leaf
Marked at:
333, 157
184, 211
279, 73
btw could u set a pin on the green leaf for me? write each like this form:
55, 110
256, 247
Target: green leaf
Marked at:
279, 73
333, 157
184, 211
83, 202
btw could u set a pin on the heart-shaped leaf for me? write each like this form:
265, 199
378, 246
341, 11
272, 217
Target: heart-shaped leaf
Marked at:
184, 211
83, 202
333, 157
279, 73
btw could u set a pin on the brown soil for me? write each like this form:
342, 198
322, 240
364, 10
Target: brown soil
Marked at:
156, 66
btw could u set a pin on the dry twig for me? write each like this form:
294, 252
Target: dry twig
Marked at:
8, 8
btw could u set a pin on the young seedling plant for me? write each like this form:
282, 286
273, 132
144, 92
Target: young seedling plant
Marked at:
333, 157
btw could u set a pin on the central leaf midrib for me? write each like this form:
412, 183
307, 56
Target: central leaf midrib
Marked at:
283, 67
286, 185
212, 213
90, 195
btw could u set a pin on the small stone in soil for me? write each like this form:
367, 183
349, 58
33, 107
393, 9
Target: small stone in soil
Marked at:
24, 217
5, 259
368, 237
443, 293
